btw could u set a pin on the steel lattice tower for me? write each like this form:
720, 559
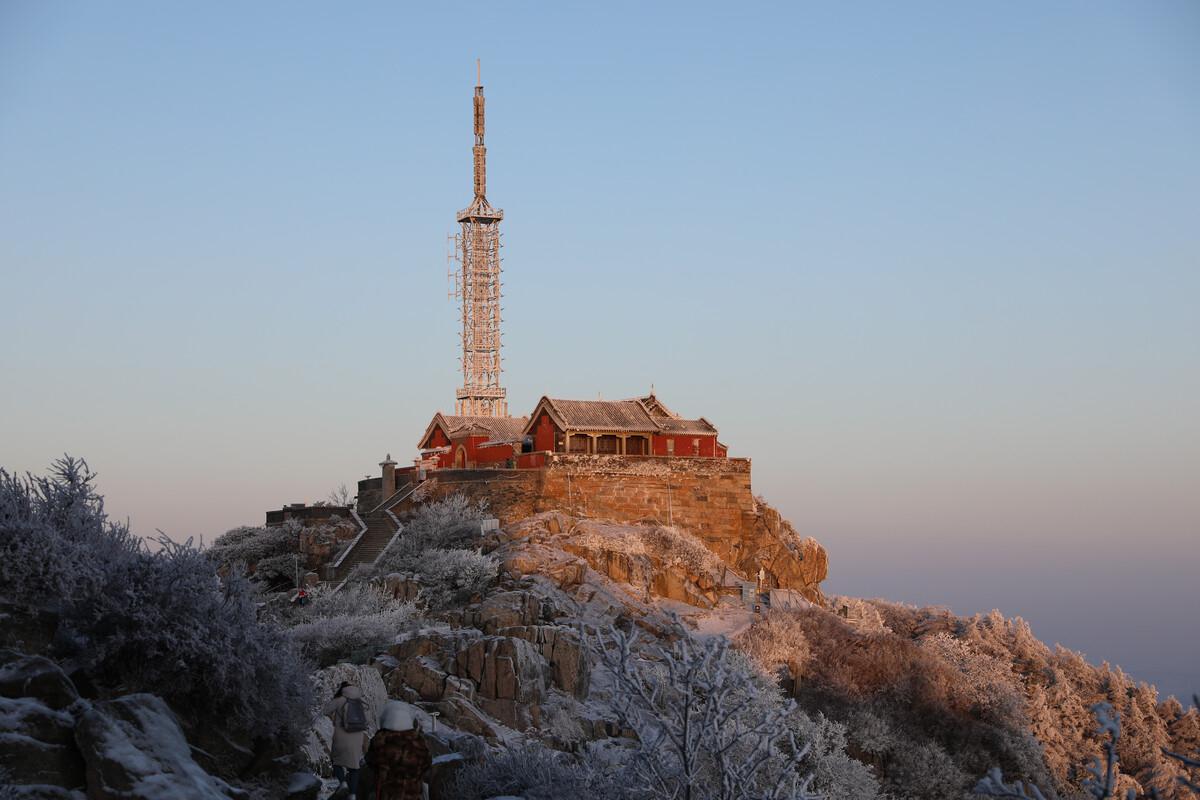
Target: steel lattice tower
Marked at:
476, 249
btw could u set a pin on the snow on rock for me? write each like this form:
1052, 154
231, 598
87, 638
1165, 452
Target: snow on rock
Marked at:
35, 676
303, 786
37, 733
134, 750
37, 743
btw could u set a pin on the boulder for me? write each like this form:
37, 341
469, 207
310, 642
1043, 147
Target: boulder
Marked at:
133, 749
565, 570
422, 675
570, 664
675, 584
303, 786
790, 561
442, 775
504, 610
460, 713
37, 728
37, 744
34, 676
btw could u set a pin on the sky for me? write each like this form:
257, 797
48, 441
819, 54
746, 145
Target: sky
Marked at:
934, 267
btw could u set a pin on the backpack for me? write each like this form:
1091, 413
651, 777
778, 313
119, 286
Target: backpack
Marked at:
354, 716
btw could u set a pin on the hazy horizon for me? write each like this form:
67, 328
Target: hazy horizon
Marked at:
935, 269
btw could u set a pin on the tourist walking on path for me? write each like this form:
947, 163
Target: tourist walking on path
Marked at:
349, 714
399, 754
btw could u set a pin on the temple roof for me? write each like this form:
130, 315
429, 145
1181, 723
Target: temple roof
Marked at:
495, 428
637, 415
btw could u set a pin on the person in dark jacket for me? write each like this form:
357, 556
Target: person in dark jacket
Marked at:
399, 754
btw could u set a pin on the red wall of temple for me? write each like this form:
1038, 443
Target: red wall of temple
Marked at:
543, 433
684, 445
485, 455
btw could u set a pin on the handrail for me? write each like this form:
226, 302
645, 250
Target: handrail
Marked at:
400, 494
362, 531
391, 541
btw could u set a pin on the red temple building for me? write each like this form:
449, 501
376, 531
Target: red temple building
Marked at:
642, 426
469, 442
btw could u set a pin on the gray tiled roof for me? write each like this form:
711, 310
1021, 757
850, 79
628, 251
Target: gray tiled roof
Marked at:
697, 426
603, 415
496, 427
624, 416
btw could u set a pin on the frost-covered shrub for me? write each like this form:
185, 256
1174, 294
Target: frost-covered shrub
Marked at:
334, 624
445, 523
328, 639
159, 622
448, 577
250, 545
707, 727
450, 523
55, 539
836, 776
774, 641
279, 572
165, 623
533, 773
352, 599
910, 709
988, 684
672, 547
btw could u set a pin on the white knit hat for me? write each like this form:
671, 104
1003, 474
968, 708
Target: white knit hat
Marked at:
398, 716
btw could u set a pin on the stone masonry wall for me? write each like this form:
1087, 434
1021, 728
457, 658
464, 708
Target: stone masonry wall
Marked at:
711, 498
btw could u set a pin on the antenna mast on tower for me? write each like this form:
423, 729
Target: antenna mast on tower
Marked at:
477, 285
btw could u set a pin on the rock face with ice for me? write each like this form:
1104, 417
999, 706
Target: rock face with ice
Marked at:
133, 748
130, 747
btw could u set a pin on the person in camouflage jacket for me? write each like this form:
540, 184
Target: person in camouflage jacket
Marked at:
398, 754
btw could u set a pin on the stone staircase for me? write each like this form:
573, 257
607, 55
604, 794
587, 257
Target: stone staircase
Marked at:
371, 544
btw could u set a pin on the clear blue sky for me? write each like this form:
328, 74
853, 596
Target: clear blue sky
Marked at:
934, 266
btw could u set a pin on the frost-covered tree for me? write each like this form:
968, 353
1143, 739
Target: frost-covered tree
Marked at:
706, 728
155, 620
1103, 772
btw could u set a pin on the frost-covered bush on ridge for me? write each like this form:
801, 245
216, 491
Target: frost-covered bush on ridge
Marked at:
709, 728
434, 544
672, 546
270, 552
450, 523
55, 539
160, 622
450, 577
533, 773
777, 640
335, 624
249, 544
